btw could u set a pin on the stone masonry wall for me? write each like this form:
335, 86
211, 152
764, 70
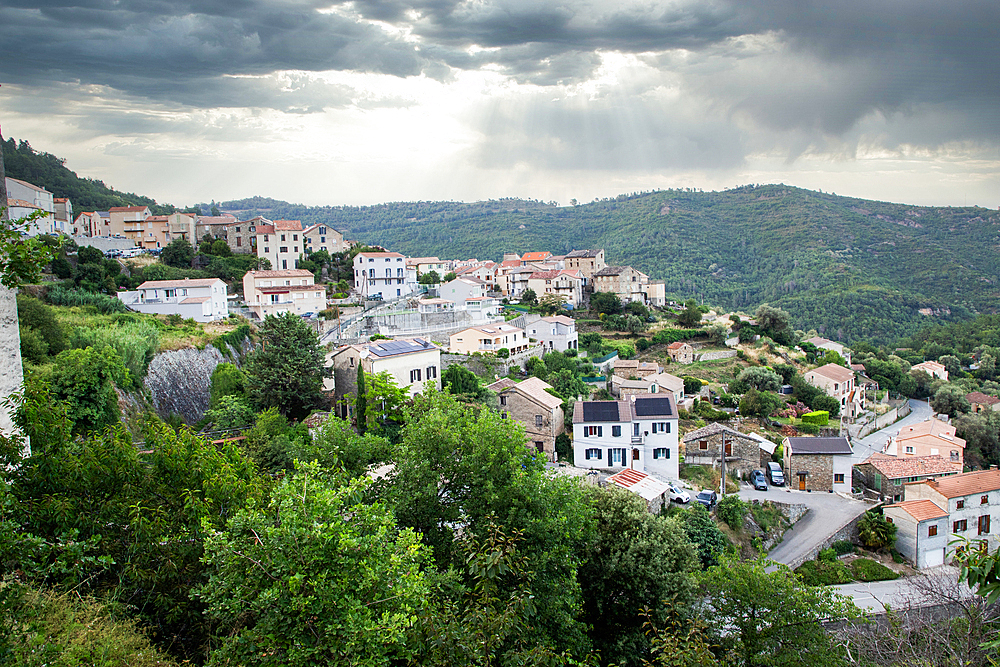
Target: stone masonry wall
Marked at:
524, 411
820, 477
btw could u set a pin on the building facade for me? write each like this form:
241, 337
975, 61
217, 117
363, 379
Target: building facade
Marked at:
555, 333
203, 300
818, 464
411, 362
275, 292
532, 406
639, 433
489, 339
382, 274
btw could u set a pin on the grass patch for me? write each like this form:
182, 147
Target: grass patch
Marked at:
823, 573
706, 477
866, 569
767, 515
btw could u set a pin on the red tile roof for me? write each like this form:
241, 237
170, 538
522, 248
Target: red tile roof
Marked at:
127, 209
966, 484
834, 372
288, 225
921, 510
911, 466
535, 256
981, 398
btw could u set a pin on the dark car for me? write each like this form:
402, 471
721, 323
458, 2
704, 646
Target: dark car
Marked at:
707, 498
758, 480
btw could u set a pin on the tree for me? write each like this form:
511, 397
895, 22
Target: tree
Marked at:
430, 278
950, 400
448, 277
384, 400
227, 380
220, 248
759, 403
704, 534
552, 303
732, 510
771, 618
952, 364
336, 444
314, 576
528, 297
775, 324
461, 381
361, 402
827, 403
230, 411
760, 378
636, 560
567, 384
85, 380
982, 435
287, 370
34, 314
875, 532
461, 465
692, 385
607, 303
178, 253
691, 315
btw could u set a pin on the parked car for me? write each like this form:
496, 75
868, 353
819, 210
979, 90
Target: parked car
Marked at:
774, 473
758, 480
707, 498
375, 297
114, 252
678, 495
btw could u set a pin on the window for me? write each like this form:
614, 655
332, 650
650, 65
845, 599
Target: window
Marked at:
838, 478
503, 400
888, 519
616, 431
931, 531
909, 450
415, 375
538, 420
283, 248
239, 241
661, 453
592, 454
282, 237
266, 250
284, 264
663, 427
984, 524
984, 500
703, 444
589, 431
960, 504
352, 361
432, 372
617, 455
960, 526
295, 237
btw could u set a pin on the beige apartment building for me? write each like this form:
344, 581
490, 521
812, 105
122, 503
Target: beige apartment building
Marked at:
276, 292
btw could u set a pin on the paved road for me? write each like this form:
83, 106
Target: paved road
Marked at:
907, 591
865, 447
827, 512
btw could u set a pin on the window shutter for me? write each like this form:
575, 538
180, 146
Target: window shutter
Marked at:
600, 431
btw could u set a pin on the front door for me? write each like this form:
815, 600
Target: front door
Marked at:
802, 482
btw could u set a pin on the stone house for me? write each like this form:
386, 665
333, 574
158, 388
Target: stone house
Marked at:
888, 475
981, 402
587, 262
410, 361
681, 352
632, 368
638, 433
921, 531
531, 405
323, 237
970, 499
705, 445
928, 438
819, 464
241, 236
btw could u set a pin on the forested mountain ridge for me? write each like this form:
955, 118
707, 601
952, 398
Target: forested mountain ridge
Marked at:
50, 172
852, 268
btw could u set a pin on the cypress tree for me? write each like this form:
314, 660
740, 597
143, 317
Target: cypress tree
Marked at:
361, 402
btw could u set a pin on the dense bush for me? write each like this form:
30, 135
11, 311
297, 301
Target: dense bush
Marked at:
828, 555
818, 417
842, 547
808, 429
135, 342
60, 296
822, 573
866, 569
875, 532
732, 510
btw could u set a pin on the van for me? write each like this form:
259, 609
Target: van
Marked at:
774, 474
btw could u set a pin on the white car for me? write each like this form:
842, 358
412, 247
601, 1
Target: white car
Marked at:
678, 495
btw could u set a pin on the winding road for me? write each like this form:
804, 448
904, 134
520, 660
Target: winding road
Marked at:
865, 447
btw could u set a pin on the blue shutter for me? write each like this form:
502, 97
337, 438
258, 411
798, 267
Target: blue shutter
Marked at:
667, 429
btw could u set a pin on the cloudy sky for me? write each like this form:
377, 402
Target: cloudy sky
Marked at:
382, 100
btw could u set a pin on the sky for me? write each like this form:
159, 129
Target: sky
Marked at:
370, 101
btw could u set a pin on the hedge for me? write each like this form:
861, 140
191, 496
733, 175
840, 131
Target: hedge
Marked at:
818, 417
675, 335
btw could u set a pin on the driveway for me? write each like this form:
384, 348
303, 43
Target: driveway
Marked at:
874, 442
827, 513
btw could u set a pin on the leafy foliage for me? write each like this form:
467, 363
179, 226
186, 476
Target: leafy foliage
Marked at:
732, 510
875, 532
705, 535
287, 370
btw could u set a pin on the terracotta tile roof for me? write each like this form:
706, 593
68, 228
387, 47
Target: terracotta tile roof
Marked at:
127, 209
817, 341
966, 484
544, 275
281, 273
536, 389
493, 329
834, 372
288, 225
501, 384
921, 510
197, 299
20, 203
535, 256
612, 270
379, 254
264, 229
929, 365
60, 200
981, 398
561, 319
894, 467
934, 427
156, 218
510, 263
626, 363
316, 419
677, 345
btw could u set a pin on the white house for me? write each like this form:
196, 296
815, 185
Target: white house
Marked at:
921, 531
488, 338
275, 292
555, 333
932, 368
384, 274
639, 433
469, 294
24, 198
203, 300
410, 361
971, 499
280, 243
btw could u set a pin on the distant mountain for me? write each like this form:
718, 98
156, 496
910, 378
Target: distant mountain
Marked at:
48, 171
851, 268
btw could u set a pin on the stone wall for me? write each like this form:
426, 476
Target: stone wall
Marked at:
714, 355
179, 381
820, 468
490, 365
744, 453
846, 531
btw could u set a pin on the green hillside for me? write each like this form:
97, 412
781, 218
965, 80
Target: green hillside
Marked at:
852, 268
48, 171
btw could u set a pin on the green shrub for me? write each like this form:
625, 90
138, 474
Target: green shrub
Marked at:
732, 510
503, 353
896, 557
875, 532
828, 555
818, 417
135, 342
767, 515
811, 429
842, 547
33, 348
642, 344
33, 314
821, 573
232, 340
866, 569
60, 296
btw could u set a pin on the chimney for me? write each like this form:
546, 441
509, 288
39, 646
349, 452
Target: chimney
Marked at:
993, 467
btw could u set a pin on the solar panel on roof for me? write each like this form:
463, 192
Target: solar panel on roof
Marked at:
600, 411
648, 407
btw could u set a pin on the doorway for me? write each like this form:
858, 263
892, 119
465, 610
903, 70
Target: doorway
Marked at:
802, 481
